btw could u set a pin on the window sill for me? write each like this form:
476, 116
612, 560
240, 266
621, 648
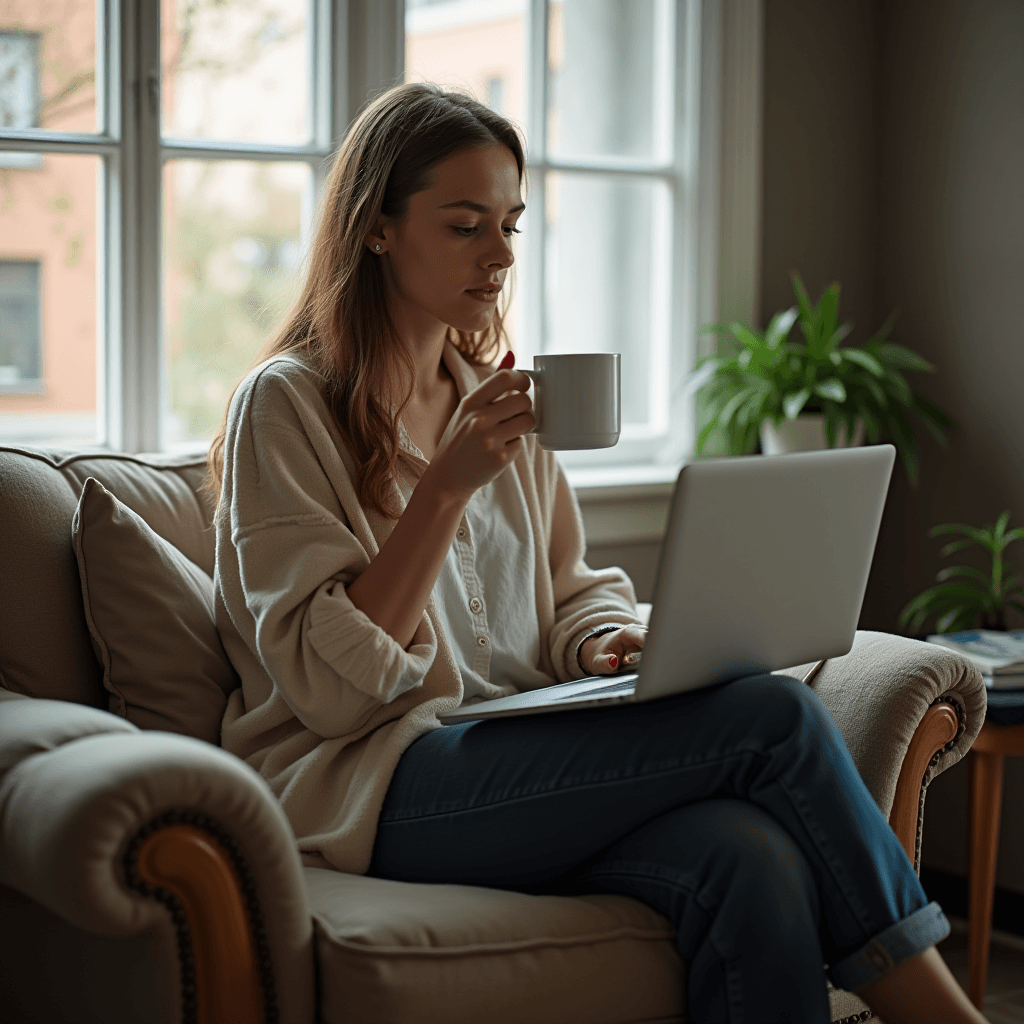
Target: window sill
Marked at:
624, 504
621, 482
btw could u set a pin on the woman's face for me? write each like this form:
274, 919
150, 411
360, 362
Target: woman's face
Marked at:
448, 257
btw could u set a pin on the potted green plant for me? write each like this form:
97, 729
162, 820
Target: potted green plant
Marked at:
959, 605
772, 384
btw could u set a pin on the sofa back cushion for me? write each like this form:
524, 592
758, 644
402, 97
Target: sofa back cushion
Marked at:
151, 618
45, 650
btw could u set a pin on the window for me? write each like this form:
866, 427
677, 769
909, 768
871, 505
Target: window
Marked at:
600, 88
158, 171
159, 165
50, 206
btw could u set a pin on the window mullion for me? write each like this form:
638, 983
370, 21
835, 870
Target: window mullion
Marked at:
137, 393
338, 87
666, 339
332, 86
331, 114
694, 228
537, 102
121, 222
109, 328
107, 83
324, 70
150, 181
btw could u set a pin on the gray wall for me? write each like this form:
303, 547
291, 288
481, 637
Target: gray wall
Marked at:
952, 256
639, 560
894, 142
820, 186
823, 177
951, 127
894, 148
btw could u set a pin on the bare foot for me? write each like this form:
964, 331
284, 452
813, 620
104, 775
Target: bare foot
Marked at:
921, 990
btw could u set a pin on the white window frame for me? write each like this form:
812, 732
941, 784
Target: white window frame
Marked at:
355, 50
714, 178
715, 170
648, 454
721, 265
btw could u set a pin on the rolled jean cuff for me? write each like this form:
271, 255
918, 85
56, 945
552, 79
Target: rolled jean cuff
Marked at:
906, 938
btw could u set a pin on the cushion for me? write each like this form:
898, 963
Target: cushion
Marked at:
45, 648
44, 641
458, 954
150, 616
166, 490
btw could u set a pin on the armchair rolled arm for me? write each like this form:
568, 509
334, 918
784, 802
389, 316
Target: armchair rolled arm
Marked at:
880, 695
114, 829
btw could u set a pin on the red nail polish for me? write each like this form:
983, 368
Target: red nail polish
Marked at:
508, 362
614, 661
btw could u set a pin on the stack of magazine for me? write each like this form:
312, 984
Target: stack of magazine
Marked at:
999, 656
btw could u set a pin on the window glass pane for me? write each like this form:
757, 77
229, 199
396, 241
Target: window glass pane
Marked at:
605, 288
21, 329
237, 70
48, 300
47, 66
608, 78
480, 47
232, 231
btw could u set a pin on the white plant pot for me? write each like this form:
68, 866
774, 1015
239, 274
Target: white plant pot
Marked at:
804, 434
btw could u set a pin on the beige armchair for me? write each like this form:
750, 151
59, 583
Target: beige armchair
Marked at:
148, 876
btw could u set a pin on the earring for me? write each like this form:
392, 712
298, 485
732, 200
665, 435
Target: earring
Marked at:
377, 248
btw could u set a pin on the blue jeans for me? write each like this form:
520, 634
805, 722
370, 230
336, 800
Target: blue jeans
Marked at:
736, 811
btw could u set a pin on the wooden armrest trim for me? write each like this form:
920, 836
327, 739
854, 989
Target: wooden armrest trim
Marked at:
937, 730
192, 865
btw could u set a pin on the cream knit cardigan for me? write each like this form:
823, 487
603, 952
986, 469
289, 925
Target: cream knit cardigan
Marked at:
329, 701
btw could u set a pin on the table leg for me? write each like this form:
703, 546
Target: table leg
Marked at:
985, 792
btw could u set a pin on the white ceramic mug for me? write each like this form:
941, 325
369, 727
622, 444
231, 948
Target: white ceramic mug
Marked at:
576, 400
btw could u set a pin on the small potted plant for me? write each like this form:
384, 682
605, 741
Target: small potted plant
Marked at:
959, 604
773, 388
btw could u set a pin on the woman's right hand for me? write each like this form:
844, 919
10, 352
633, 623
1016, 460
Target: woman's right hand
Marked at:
484, 435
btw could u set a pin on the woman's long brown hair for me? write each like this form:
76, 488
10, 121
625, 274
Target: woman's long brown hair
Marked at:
341, 322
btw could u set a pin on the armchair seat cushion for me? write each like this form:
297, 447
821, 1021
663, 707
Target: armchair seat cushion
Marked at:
391, 952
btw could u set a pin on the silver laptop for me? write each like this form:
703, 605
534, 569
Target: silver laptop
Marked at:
763, 566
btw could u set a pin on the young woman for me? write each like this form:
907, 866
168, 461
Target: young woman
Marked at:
391, 542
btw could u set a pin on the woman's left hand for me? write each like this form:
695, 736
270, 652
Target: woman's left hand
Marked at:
603, 655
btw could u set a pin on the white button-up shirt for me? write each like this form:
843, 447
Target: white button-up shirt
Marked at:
483, 594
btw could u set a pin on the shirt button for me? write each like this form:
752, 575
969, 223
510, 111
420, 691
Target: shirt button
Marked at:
475, 605
482, 641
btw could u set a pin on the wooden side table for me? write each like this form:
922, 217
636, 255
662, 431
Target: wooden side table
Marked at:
1002, 734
